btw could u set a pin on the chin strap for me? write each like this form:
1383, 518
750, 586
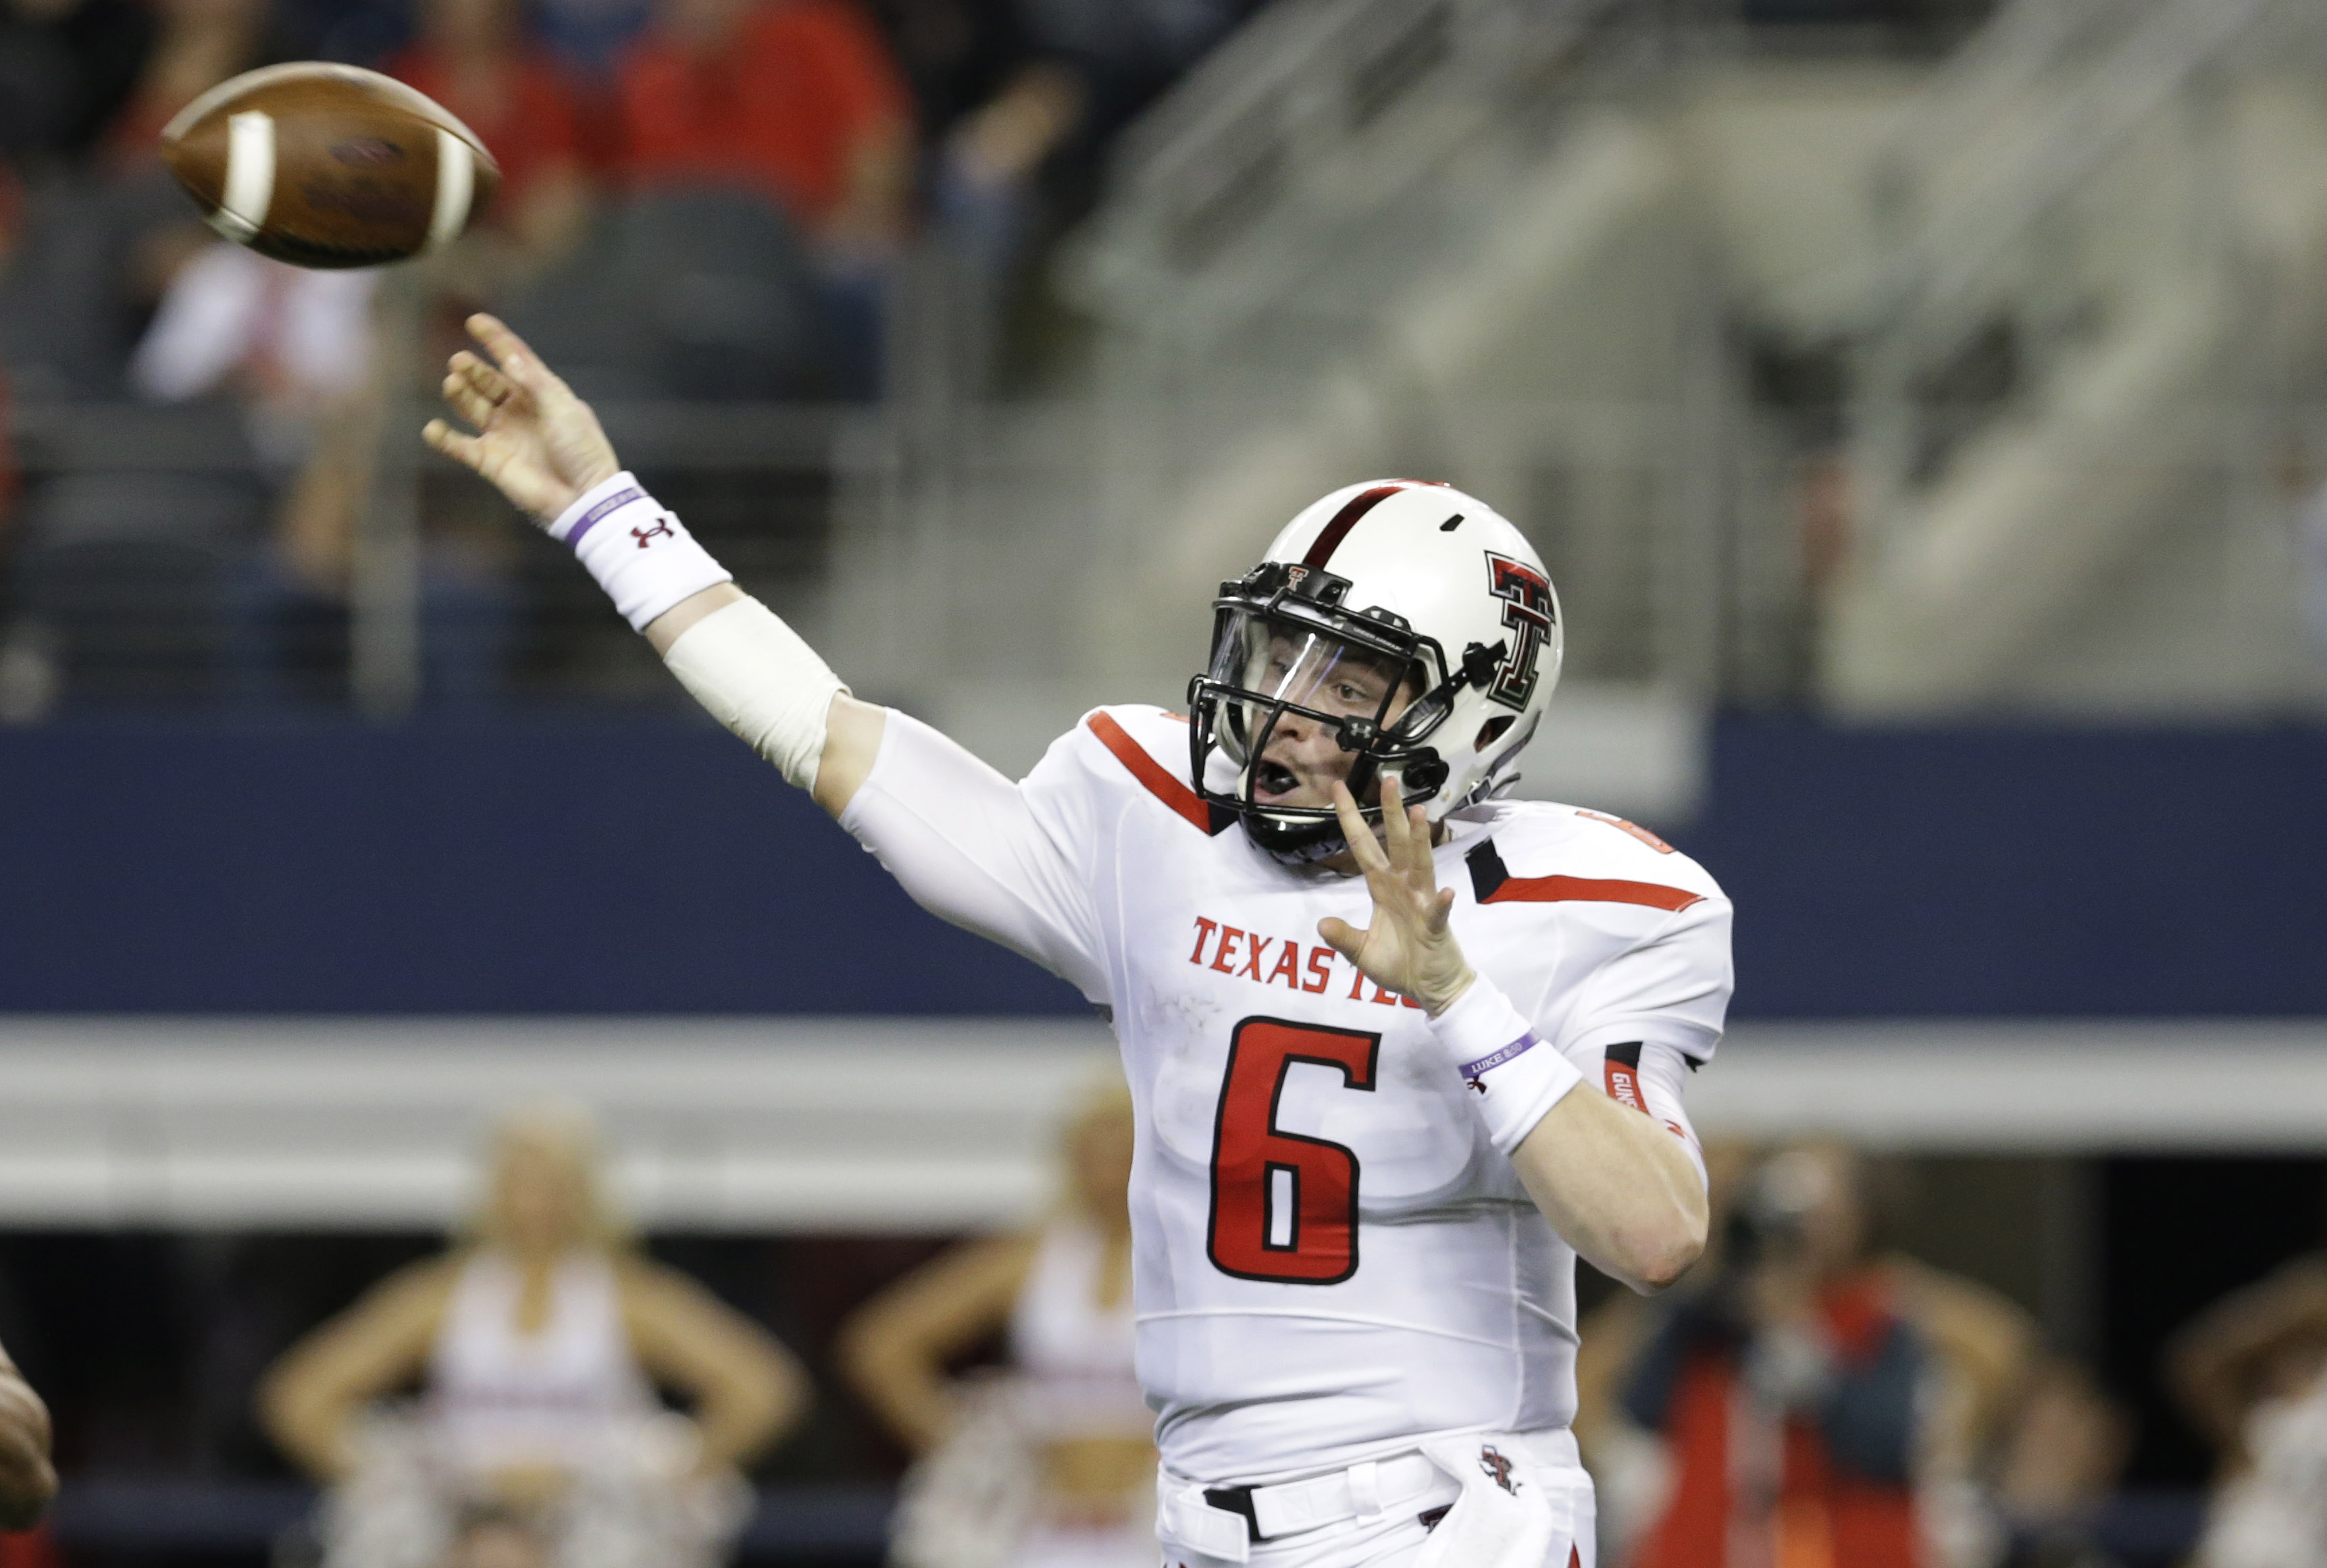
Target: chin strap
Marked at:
1314, 852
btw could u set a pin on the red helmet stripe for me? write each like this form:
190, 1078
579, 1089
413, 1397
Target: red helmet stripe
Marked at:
1330, 537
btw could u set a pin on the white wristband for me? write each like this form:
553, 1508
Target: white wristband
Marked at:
756, 677
1515, 1078
641, 555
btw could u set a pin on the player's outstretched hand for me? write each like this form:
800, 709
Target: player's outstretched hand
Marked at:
1410, 946
536, 443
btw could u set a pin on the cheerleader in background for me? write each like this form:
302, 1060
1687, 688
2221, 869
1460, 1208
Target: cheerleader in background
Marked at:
28, 1480
538, 1440
1052, 1466
2252, 1372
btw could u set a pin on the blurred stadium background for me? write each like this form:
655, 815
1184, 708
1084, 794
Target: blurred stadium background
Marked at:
1921, 404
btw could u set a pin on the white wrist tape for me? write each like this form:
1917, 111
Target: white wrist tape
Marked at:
755, 676
1517, 1077
643, 555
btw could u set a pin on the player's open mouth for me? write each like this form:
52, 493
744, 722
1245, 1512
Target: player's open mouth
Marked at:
1272, 780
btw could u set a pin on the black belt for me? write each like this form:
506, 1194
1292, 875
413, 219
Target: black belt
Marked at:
1237, 1500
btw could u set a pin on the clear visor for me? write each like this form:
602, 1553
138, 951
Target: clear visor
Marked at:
1273, 665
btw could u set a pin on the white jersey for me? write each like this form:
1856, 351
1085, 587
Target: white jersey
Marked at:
1331, 1261
502, 1396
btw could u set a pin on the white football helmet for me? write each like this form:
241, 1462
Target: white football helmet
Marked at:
1408, 620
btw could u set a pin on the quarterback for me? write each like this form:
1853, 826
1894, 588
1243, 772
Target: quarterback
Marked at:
1399, 1048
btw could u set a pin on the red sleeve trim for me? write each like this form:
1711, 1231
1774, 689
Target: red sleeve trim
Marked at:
1157, 778
1623, 1070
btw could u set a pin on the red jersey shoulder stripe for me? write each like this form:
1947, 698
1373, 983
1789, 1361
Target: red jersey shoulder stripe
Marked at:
1157, 778
1491, 882
1556, 890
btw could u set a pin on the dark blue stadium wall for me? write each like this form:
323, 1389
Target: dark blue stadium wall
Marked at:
622, 867
2021, 871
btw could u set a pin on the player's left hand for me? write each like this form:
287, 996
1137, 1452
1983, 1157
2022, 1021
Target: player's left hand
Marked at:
1410, 946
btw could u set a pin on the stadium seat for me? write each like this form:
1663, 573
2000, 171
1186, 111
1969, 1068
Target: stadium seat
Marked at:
693, 294
125, 571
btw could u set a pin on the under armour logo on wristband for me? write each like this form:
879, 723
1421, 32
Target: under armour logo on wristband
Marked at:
1474, 1072
663, 526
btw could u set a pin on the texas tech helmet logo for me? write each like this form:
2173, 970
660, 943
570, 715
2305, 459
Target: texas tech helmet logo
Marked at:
1527, 611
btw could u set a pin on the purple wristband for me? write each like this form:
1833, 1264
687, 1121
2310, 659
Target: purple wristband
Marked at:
600, 512
1471, 1070
1509, 1083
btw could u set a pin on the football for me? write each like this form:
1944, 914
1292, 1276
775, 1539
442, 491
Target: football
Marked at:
328, 165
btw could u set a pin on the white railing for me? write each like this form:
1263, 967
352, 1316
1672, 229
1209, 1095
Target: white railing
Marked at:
873, 1126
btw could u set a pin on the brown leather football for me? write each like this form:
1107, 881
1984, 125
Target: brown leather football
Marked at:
328, 165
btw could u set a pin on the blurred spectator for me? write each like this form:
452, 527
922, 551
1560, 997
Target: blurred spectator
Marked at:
288, 341
27, 1479
954, 55
1828, 520
797, 99
291, 349
472, 58
588, 36
1818, 1404
296, 348
1009, 176
1628, 1465
986, 175
798, 102
1985, 1350
298, 353
1123, 53
117, 576
1976, 1346
2060, 1462
2252, 1372
1054, 1468
538, 1439
66, 67
200, 44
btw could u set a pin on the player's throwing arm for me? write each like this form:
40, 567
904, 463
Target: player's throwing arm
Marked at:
542, 447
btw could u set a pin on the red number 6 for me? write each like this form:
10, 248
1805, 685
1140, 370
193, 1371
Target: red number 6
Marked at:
1285, 1207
